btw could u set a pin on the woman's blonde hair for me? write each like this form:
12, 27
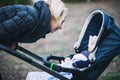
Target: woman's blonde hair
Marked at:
57, 8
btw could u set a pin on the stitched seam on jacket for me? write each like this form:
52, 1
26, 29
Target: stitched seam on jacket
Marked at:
14, 16
2, 12
32, 29
6, 30
31, 14
23, 19
5, 14
26, 25
16, 23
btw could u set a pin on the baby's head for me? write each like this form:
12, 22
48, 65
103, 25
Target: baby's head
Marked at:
58, 13
81, 60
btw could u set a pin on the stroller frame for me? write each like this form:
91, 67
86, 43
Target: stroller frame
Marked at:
23, 54
29, 60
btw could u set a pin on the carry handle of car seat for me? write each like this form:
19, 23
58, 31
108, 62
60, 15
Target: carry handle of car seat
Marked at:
58, 68
52, 66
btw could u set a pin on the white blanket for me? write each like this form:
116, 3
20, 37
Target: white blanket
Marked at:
45, 76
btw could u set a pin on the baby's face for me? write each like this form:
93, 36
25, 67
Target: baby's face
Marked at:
56, 24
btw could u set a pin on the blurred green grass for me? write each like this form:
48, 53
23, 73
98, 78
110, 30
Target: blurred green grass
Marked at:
113, 70
111, 76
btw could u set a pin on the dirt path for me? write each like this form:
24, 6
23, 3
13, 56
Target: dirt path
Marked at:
59, 43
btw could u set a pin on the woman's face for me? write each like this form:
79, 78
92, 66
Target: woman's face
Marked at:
56, 24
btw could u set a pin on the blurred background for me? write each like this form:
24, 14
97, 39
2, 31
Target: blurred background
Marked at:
60, 43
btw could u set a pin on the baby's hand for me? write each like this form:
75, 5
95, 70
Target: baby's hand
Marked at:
67, 59
66, 64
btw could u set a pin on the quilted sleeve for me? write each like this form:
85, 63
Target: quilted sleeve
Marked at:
18, 25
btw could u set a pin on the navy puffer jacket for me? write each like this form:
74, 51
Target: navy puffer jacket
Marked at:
23, 23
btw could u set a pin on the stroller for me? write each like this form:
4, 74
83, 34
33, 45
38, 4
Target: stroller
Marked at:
108, 43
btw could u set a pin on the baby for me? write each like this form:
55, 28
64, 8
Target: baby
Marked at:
81, 60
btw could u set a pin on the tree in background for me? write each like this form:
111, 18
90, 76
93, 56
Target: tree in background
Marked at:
6, 2
9, 2
24, 2
73, 0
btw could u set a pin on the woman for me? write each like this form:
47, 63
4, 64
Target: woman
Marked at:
27, 24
